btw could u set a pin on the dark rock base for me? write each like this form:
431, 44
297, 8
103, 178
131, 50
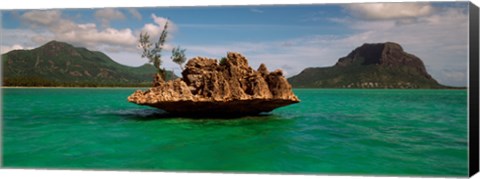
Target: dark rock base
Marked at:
221, 108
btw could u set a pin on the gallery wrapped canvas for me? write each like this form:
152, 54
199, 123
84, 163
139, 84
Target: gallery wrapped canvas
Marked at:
358, 89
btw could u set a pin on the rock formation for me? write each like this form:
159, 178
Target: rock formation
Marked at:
230, 87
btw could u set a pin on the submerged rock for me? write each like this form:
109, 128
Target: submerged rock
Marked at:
231, 87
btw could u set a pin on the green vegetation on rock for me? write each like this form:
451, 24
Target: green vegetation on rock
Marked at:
153, 51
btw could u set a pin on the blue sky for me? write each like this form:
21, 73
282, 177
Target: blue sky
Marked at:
289, 37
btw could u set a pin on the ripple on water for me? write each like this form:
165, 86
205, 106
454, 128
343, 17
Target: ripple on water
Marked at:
401, 132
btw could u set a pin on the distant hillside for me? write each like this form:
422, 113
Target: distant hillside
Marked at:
382, 65
61, 64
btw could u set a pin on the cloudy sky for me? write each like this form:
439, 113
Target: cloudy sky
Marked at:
289, 37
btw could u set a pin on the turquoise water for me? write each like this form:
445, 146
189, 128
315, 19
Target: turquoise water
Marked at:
364, 132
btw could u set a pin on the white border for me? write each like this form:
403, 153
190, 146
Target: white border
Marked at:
46, 4
81, 174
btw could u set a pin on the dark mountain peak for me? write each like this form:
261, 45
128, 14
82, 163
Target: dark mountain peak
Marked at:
388, 54
56, 45
380, 47
55, 48
372, 65
393, 45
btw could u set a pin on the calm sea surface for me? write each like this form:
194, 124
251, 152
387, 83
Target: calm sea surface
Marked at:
368, 132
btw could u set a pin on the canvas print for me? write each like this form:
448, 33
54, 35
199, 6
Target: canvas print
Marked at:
342, 89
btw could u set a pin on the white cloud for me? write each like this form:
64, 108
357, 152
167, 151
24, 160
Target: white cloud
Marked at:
127, 57
88, 34
40, 39
453, 75
23, 37
105, 15
46, 17
438, 37
156, 28
5, 49
296, 54
388, 11
51, 26
134, 12
440, 40
119, 44
109, 13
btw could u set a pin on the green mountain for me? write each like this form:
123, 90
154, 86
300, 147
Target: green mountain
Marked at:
61, 64
381, 65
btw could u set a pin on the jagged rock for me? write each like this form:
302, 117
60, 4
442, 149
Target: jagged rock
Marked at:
262, 69
157, 80
210, 88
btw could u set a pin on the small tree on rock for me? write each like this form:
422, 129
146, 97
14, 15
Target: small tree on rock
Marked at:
178, 56
154, 54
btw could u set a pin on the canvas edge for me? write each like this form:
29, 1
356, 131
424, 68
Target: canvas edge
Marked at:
473, 90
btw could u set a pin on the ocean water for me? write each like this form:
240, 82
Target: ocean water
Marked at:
344, 132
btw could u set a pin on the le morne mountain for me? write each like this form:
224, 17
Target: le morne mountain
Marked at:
61, 64
381, 65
